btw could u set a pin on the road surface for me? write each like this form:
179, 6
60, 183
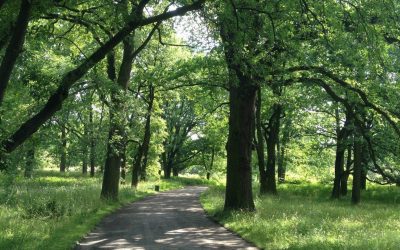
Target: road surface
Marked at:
169, 220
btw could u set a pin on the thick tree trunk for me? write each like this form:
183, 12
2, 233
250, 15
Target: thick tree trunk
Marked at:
260, 145
63, 149
30, 161
15, 46
356, 192
238, 193
112, 165
168, 169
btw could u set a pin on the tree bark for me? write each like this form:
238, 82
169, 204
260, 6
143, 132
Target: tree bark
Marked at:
147, 135
342, 135
242, 98
136, 167
15, 45
238, 193
273, 135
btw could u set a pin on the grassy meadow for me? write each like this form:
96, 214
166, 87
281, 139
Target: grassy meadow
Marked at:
54, 210
303, 217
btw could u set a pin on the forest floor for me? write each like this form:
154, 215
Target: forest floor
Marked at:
54, 210
169, 220
303, 216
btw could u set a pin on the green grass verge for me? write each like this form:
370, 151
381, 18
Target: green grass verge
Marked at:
53, 210
303, 217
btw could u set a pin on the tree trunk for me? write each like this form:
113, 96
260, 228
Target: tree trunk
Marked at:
112, 165
356, 192
239, 147
30, 161
136, 167
63, 153
92, 144
345, 176
15, 46
273, 135
168, 169
147, 135
364, 169
175, 171
260, 145
84, 161
123, 164
281, 158
85, 150
341, 144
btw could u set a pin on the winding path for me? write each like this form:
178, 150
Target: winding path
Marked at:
169, 220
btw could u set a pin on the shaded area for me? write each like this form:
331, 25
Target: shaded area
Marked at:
170, 220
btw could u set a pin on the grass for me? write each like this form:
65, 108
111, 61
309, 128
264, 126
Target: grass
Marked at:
53, 210
303, 217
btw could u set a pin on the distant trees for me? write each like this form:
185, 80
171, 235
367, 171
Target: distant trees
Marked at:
308, 84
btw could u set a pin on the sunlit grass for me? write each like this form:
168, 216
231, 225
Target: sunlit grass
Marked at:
54, 210
303, 217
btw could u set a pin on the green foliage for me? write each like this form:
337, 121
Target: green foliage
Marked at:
54, 210
302, 217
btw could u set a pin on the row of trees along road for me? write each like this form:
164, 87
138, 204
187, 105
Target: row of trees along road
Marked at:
112, 84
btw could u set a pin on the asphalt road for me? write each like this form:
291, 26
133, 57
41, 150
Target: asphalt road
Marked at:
169, 220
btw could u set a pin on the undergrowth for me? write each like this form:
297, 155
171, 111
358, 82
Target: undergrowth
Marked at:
303, 217
54, 210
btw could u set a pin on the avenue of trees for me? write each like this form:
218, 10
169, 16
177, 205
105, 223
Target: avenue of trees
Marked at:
255, 90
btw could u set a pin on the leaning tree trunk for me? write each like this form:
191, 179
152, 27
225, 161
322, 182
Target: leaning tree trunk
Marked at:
356, 192
15, 46
260, 145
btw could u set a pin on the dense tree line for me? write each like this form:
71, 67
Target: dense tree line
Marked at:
112, 87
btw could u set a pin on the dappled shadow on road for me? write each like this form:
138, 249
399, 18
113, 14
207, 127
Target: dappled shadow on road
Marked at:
170, 220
